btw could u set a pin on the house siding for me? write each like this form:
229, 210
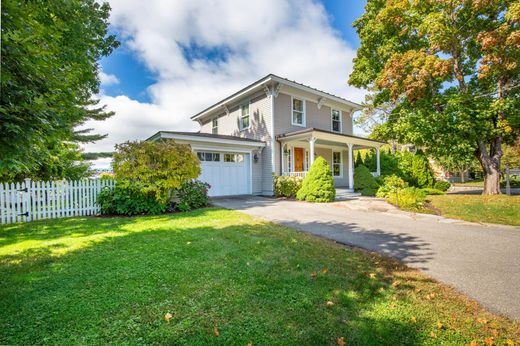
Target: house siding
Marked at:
259, 129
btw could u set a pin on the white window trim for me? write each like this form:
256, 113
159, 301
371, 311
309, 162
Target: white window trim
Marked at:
340, 164
213, 127
304, 113
240, 117
340, 120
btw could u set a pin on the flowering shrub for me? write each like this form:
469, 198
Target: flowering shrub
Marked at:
285, 186
192, 195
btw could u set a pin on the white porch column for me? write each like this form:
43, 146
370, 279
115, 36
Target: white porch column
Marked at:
312, 140
350, 167
378, 162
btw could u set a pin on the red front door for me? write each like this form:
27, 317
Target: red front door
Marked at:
298, 159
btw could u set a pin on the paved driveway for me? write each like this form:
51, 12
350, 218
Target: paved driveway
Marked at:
482, 261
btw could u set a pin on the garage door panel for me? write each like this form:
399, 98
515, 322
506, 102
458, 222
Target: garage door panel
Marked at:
226, 178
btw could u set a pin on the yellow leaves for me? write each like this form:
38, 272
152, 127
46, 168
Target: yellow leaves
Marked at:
372, 276
430, 296
167, 317
510, 342
440, 325
395, 284
413, 319
433, 335
482, 320
216, 332
329, 304
473, 343
325, 270
313, 275
341, 341
489, 341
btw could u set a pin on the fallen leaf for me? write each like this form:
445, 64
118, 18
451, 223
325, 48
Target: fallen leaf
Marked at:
494, 332
488, 341
510, 342
473, 343
482, 320
381, 289
433, 335
329, 304
216, 332
439, 325
313, 275
168, 317
341, 341
188, 243
325, 270
250, 344
372, 275
413, 319
395, 284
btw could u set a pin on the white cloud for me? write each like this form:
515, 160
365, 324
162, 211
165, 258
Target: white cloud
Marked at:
107, 79
291, 38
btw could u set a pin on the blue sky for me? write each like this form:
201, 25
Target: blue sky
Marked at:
178, 57
134, 77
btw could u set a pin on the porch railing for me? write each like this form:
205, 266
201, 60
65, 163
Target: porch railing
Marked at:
295, 174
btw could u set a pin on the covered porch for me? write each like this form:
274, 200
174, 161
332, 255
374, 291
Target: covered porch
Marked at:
299, 149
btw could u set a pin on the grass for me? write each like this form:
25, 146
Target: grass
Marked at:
501, 209
472, 183
112, 280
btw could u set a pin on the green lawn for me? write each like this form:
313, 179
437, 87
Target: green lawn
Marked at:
472, 183
493, 209
101, 280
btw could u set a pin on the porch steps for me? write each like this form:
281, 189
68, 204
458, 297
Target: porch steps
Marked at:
343, 194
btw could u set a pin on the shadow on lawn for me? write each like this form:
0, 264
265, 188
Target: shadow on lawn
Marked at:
252, 281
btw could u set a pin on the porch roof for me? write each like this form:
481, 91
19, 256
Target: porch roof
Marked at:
329, 136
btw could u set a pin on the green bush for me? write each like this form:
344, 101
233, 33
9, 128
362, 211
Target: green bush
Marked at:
364, 181
391, 184
433, 191
442, 185
408, 198
192, 195
128, 199
286, 186
318, 185
513, 182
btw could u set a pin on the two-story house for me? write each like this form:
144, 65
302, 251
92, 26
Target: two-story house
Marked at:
272, 127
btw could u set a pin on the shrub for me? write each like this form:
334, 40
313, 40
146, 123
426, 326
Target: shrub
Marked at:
442, 185
364, 181
391, 184
156, 167
433, 191
408, 198
192, 195
285, 186
127, 199
318, 185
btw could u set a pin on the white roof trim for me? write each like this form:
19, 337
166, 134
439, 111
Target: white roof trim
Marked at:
210, 140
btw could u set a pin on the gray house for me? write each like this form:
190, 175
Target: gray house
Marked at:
273, 127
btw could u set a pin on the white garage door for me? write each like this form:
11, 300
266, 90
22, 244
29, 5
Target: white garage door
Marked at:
227, 173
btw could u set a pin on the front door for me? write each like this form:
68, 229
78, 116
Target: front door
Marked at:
298, 159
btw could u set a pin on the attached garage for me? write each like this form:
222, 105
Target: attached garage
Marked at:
227, 173
230, 165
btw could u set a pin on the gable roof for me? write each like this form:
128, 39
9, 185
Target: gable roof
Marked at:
272, 78
201, 135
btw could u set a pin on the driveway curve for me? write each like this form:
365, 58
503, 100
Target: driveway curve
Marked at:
479, 260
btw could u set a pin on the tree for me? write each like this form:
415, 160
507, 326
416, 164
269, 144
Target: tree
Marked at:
451, 68
318, 184
155, 167
50, 53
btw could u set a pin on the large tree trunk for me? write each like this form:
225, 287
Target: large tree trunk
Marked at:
490, 162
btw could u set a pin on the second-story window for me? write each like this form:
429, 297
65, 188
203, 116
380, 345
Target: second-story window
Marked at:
244, 117
336, 120
214, 126
298, 112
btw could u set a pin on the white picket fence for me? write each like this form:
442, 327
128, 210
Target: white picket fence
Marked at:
37, 200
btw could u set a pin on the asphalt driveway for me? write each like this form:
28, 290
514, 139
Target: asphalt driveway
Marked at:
482, 261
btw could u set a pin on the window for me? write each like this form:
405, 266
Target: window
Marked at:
214, 128
233, 157
208, 156
336, 120
298, 112
244, 117
336, 163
